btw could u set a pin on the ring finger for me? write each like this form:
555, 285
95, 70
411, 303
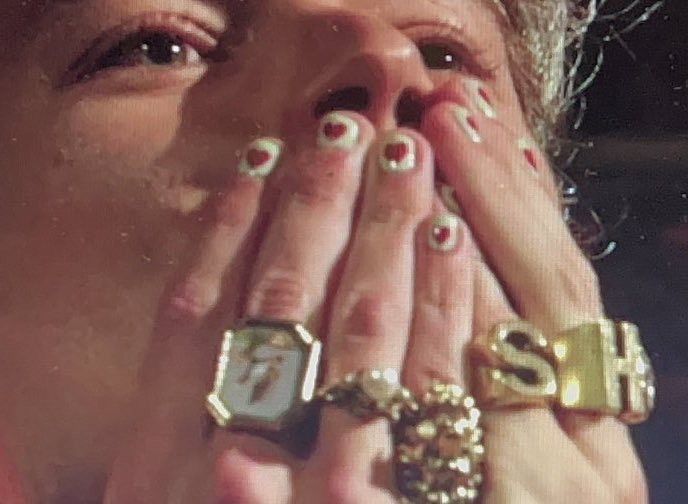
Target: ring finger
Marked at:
442, 320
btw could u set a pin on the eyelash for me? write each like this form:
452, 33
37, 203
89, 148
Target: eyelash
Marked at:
190, 36
445, 37
446, 59
122, 46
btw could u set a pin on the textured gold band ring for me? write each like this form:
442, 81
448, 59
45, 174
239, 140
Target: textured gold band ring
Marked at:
438, 448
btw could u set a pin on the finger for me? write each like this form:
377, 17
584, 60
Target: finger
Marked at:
491, 305
607, 444
371, 313
513, 219
195, 291
372, 308
244, 476
312, 221
443, 304
170, 422
519, 229
595, 439
517, 441
502, 107
506, 192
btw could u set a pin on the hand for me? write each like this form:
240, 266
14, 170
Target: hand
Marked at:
302, 241
373, 304
529, 267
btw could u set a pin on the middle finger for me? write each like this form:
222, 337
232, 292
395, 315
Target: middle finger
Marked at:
371, 312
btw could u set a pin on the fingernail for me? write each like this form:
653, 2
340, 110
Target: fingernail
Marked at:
450, 199
481, 97
444, 233
528, 148
338, 131
398, 154
260, 157
468, 124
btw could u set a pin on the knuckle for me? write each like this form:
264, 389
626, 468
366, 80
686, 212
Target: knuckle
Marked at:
369, 317
402, 215
279, 295
190, 302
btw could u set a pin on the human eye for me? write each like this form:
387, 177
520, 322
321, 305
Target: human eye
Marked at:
447, 44
439, 55
156, 43
440, 46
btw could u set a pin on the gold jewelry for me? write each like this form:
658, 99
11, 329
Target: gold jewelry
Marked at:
520, 370
438, 448
266, 373
604, 368
370, 394
600, 367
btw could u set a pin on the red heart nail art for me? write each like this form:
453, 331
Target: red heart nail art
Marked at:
334, 131
257, 157
483, 94
396, 152
441, 234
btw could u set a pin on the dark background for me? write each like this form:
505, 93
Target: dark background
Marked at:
637, 165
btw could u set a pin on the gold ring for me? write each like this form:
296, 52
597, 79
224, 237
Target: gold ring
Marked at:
599, 368
370, 394
266, 374
438, 448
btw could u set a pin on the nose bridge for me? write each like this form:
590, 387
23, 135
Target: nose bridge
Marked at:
364, 51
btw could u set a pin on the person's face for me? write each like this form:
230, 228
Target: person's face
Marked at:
120, 117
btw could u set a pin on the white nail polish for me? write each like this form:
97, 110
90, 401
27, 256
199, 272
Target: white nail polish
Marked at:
444, 233
448, 194
398, 154
481, 97
468, 124
338, 131
260, 157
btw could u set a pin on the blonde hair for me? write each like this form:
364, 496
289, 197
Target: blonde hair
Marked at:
544, 43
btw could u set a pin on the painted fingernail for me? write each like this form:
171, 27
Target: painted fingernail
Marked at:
260, 157
398, 154
450, 199
529, 150
444, 233
468, 124
338, 131
481, 97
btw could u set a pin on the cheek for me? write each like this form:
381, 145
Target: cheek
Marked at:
116, 151
92, 168
124, 137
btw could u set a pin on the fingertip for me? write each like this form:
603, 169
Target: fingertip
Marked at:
437, 117
260, 157
365, 129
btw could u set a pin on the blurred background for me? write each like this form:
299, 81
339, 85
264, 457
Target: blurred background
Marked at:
632, 169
